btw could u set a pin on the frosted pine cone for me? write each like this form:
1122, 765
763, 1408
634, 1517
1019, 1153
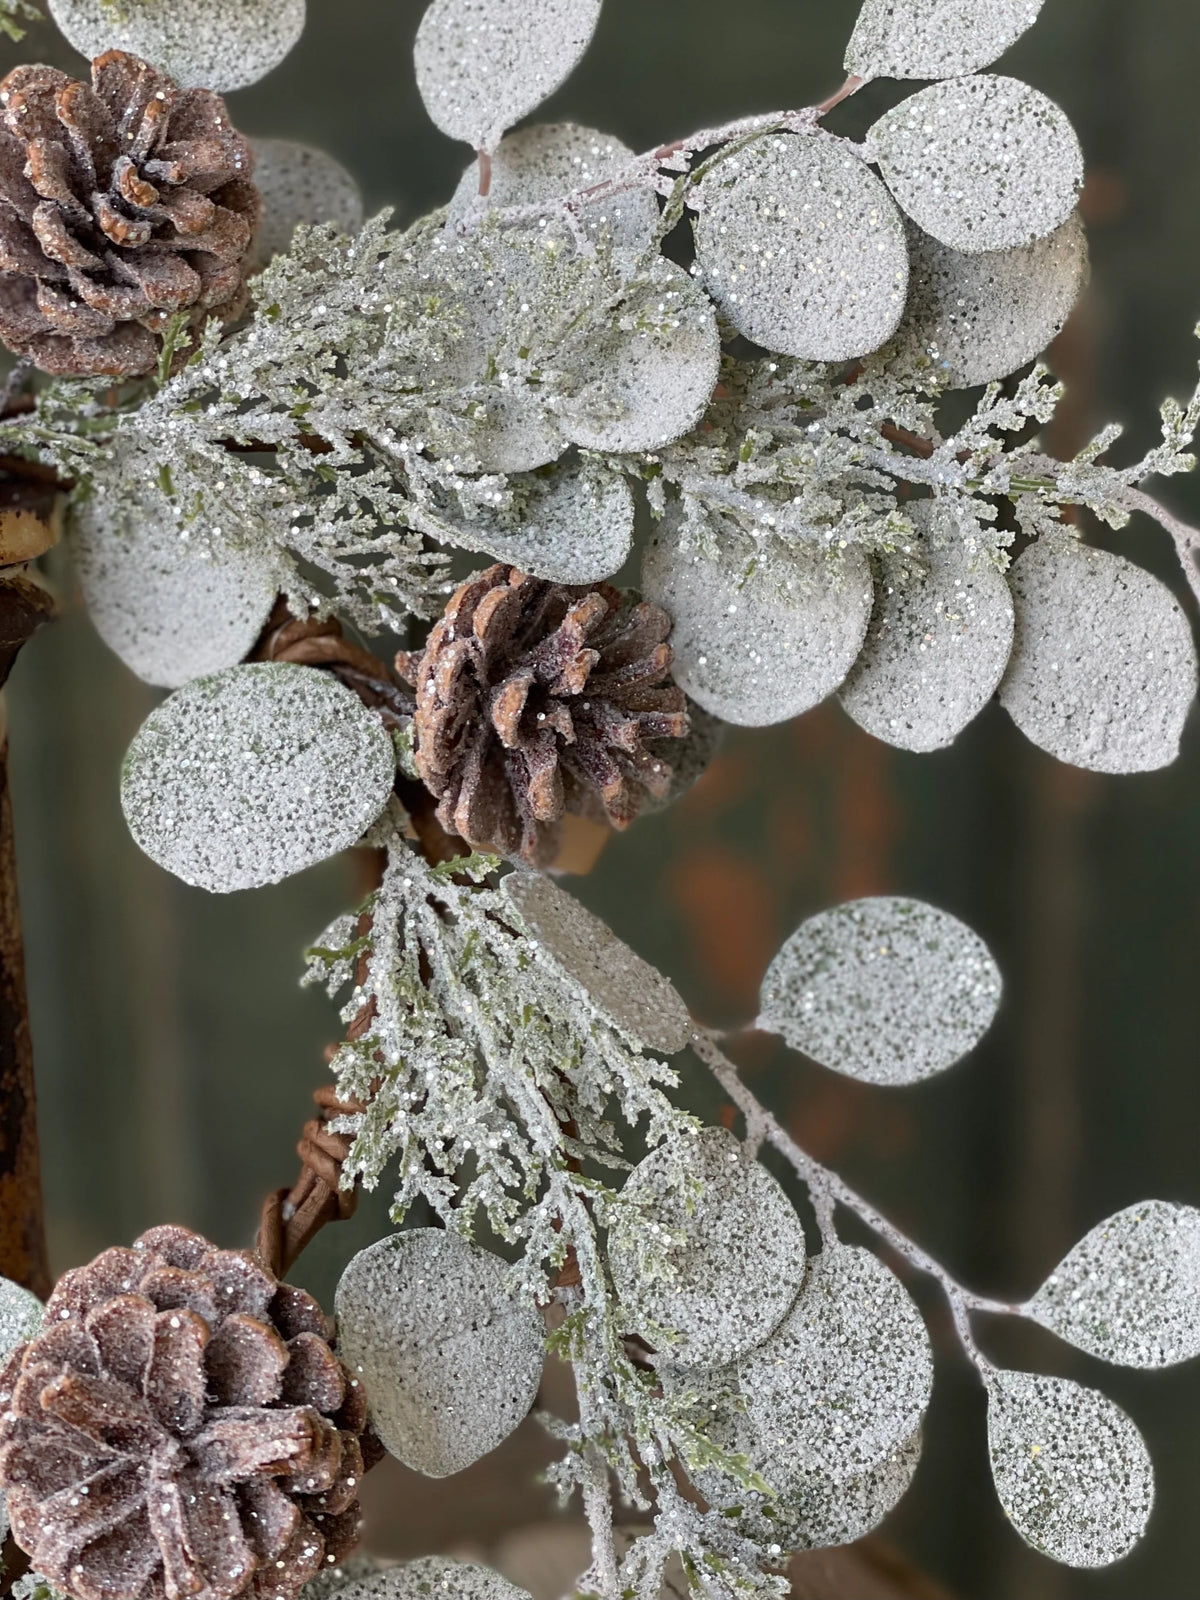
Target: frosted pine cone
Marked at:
534, 699
120, 205
181, 1427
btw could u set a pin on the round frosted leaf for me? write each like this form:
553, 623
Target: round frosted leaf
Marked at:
938, 640
1103, 669
433, 1578
648, 379
1072, 1471
450, 1359
841, 1386
299, 184
888, 990
725, 1235
982, 163
484, 64
980, 317
1129, 1292
917, 39
202, 44
172, 609
802, 249
575, 526
544, 162
761, 648
20, 1316
632, 994
254, 773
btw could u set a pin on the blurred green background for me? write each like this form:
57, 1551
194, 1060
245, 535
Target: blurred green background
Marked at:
175, 1053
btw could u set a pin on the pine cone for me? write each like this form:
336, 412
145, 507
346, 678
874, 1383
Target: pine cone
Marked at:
120, 205
534, 699
181, 1427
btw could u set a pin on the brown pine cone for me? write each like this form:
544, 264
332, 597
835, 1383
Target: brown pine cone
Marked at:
120, 205
534, 699
180, 1427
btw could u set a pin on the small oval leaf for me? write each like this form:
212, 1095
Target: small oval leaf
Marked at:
202, 44
20, 1318
430, 1577
255, 773
572, 525
298, 184
981, 163
888, 990
1129, 1291
916, 39
1103, 669
1072, 1471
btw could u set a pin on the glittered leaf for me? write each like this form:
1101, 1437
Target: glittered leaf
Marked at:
802, 248
1103, 669
451, 1362
841, 1386
484, 64
938, 640
1129, 1292
20, 1316
1071, 1469
203, 44
707, 1247
254, 773
433, 1578
172, 607
887, 989
574, 525
981, 163
934, 38
979, 317
629, 991
757, 643
299, 184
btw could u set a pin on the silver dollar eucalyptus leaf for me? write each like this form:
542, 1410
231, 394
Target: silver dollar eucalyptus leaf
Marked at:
299, 184
449, 1358
1072, 1471
20, 1316
631, 993
842, 1384
934, 38
552, 159
981, 163
171, 607
938, 640
254, 773
574, 525
1103, 669
1129, 1292
888, 990
980, 317
706, 1246
202, 44
802, 248
649, 378
484, 64
758, 646
433, 1578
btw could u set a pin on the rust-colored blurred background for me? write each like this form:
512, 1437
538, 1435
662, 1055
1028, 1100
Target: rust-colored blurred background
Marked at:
175, 1054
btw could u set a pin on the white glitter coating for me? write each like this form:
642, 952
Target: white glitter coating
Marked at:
938, 640
254, 773
734, 1245
574, 526
842, 1384
20, 1316
1129, 1291
759, 650
934, 38
299, 184
1072, 1471
450, 1360
981, 163
433, 1578
802, 248
202, 44
649, 378
551, 159
172, 609
1103, 669
980, 317
627, 990
887, 989
484, 64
